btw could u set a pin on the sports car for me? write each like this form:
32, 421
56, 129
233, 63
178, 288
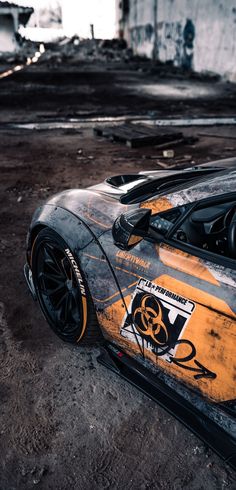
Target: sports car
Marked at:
145, 264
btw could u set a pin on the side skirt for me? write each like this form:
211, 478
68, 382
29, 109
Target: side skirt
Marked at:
206, 429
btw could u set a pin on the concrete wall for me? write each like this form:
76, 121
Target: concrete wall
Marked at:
141, 26
7, 36
199, 34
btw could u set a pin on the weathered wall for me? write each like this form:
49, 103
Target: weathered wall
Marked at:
7, 37
11, 16
141, 26
194, 33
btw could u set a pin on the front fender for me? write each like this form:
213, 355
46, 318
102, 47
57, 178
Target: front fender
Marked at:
85, 246
69, 226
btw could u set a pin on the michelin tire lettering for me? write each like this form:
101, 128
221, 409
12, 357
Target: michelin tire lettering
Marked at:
76, 270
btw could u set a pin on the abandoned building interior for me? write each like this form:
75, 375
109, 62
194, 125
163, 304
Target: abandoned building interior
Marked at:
89, 90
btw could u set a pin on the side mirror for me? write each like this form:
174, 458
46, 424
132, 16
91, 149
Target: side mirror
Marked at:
130, 228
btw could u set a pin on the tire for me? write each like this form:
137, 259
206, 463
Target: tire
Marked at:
62, 290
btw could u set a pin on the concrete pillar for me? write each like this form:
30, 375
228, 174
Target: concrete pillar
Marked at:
155, 41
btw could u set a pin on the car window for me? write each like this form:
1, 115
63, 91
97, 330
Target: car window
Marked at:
206, 229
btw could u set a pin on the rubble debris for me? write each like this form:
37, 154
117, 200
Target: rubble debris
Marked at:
34, 474
163, 69
22, 56
113, 44
64, 41
165, 165
168, 153
221, 136
136, 135
175, 161
74, 50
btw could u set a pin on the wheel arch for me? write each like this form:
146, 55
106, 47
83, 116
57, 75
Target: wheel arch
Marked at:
68, 226
83, 243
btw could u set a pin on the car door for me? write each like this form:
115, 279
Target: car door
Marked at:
179, 315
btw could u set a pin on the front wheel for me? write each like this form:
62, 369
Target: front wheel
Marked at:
62, 290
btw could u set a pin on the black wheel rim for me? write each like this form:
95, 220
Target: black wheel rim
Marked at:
58, 288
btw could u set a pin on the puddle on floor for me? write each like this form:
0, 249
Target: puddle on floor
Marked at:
182, 90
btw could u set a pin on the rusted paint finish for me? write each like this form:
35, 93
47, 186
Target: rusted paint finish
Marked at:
186, 263
203, 355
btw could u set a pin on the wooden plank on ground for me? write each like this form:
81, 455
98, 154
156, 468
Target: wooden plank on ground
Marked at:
136, 135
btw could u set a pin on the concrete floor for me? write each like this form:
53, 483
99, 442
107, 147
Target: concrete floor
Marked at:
65, 421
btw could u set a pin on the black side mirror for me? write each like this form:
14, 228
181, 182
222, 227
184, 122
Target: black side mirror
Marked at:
130, 228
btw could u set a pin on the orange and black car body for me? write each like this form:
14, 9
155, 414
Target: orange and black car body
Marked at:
166, 302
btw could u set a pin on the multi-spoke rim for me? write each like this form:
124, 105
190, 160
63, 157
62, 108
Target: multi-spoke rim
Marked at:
58, 288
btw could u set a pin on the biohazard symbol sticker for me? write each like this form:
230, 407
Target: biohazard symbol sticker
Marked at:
156, 319
148, 319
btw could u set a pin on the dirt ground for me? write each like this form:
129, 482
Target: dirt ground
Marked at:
65, 421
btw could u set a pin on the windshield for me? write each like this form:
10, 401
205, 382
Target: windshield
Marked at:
157, 186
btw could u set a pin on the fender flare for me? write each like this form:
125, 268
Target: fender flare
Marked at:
79, 239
